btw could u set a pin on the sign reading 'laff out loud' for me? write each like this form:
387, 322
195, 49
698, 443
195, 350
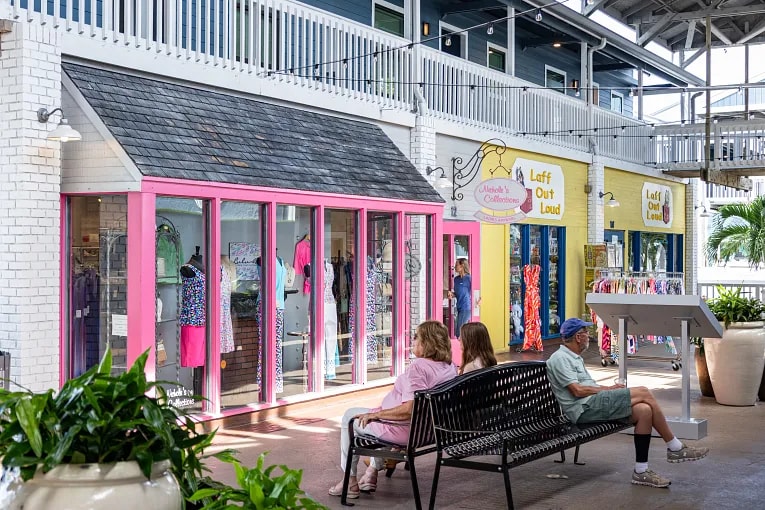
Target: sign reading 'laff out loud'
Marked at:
658, 209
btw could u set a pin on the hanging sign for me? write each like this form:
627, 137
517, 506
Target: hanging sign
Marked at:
546, 188
500, 195
657, 210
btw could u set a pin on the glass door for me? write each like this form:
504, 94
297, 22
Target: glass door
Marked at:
461, 278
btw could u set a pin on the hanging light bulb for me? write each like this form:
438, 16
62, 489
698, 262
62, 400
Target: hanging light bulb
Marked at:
490, 30
448, 41
345, 63
538, 17
375, 56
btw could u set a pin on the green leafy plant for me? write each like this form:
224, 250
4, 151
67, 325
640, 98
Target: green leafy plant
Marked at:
738, 228
259, 489
101, 418
730, 306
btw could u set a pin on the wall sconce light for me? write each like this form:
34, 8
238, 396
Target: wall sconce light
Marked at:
704, 212
63, 132
575, 86
588, 188
425, 28
441, 181
612, 202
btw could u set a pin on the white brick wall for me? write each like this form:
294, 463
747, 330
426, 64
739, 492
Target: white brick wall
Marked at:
423, 144
30, 180
596, 175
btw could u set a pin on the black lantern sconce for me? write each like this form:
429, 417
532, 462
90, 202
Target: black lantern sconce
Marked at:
464, 174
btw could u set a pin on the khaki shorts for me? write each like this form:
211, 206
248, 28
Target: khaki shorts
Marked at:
607, 405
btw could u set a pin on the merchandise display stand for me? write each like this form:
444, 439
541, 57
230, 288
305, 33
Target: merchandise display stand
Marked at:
643, 314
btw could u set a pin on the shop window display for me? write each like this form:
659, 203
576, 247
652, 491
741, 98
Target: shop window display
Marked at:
339, 296
182, 269
417, 258
379, 291
241, 293
97, 282
536, 284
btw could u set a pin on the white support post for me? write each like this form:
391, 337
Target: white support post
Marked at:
511, 41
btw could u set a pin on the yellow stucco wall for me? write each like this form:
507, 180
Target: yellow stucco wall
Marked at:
495, 249
627, 189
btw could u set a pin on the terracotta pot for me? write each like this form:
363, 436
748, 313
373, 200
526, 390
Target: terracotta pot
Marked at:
705, 383
736, 363
117, 486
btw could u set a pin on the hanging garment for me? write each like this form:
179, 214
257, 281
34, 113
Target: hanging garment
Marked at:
374, 277
279, 383
302, 259
168, 254
330, 339
532, 338
192, 346
193, 292
226, 326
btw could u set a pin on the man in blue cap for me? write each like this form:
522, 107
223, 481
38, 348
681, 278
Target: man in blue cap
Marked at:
585, 401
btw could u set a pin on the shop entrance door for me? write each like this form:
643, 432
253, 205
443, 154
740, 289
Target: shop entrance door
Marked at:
461, 240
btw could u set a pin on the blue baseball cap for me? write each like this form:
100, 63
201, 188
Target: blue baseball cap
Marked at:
570, 327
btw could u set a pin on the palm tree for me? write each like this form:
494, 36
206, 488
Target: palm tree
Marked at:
738, 228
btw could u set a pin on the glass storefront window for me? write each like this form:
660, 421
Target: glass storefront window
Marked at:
339, 296
97, 249
241, 295
416, 277
653, 252
379, 290
182, 293
516, 285
553, 295
293, 347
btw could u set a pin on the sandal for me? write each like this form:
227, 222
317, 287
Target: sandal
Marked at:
368, 482
337, 490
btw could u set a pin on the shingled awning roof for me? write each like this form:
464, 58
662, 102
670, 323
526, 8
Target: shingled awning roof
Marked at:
182, 132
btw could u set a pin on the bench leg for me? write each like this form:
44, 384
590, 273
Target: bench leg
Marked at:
562, 456
347, 478
576, 457
508, 492
434, 487
415, 487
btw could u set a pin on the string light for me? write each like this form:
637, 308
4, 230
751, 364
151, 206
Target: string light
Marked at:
490, 29
447, 41
538, 17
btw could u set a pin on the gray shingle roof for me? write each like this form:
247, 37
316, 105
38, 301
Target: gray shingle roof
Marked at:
182, 132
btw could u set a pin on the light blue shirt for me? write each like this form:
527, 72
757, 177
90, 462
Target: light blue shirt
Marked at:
566, 367
281, 276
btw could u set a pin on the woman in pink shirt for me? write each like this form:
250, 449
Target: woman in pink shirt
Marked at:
432, 366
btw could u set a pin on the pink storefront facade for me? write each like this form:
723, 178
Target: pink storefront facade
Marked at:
260, 260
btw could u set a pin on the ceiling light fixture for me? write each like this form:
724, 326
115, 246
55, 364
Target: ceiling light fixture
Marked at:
63, 132
538, 17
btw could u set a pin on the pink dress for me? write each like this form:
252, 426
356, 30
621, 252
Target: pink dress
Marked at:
303, 258
421, 374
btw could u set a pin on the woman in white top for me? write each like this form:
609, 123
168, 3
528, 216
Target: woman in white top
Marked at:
477, 351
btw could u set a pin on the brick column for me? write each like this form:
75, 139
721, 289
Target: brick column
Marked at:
423, 143
596, 214
692, 238
30, 182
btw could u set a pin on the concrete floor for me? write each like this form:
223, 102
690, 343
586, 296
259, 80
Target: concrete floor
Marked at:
732, 476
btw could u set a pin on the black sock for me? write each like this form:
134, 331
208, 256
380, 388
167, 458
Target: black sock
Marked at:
642, 443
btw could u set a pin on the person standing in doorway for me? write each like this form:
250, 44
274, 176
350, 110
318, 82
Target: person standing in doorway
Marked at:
463, 292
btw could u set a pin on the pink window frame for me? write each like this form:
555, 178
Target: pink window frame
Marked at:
141, 268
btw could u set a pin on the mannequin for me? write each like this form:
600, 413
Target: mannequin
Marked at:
330, 322
193, 315
227, 284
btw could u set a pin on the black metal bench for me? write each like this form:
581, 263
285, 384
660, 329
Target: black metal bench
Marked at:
421, 442
507, 410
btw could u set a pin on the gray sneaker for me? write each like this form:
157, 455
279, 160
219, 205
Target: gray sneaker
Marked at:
650, 479
687, 454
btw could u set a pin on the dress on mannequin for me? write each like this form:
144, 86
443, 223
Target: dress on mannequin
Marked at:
302, 259
330, 323
193, 315
281, 276
227, 277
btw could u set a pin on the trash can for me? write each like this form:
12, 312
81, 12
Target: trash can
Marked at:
5, 369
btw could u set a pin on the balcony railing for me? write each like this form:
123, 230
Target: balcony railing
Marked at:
299, 46
735, 145
749, 290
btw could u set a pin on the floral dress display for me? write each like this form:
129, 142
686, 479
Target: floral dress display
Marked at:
532, 338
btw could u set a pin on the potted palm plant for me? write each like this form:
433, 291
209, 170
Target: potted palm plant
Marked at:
739, 228
737, 360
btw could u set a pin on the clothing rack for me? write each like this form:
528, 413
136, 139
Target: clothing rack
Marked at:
619, 281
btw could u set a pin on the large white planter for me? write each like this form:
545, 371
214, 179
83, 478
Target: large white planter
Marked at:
118, 486
736, 362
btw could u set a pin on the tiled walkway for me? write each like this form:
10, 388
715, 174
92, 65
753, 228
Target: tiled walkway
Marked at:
733, 476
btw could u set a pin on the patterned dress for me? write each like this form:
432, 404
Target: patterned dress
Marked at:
226, 326
193, 292
374, 277
532, 338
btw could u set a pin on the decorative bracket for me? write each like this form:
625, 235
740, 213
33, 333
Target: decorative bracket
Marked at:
464, 174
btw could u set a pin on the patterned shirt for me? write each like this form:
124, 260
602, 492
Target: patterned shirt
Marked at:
193, 294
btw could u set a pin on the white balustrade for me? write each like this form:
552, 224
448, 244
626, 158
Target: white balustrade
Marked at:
307, 48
